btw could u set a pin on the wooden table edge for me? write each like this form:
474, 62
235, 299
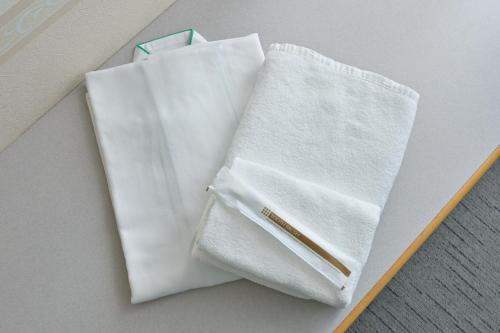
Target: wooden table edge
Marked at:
417, 243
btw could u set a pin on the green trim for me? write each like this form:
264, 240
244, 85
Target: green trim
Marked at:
190, 39
142, 49
172, 34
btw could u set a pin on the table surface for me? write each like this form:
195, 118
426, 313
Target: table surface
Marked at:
61, 265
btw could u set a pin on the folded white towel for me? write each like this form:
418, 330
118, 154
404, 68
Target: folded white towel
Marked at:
307, 175
163, 126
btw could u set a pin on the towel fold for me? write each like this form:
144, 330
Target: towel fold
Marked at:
163, 126
307, 175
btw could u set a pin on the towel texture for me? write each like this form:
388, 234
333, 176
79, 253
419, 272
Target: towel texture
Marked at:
163, 126
319, 146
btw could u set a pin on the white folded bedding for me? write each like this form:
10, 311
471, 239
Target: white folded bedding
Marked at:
163, 126
167, 43
296, 205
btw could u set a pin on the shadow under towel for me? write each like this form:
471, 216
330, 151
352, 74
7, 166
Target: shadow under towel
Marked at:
296, 205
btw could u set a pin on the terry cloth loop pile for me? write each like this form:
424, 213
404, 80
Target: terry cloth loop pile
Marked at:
307, 175
163, 126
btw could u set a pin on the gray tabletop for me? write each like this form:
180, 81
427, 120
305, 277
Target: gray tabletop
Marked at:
61, 266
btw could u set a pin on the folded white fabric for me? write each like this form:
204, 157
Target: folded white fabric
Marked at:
163, 126
307, 175
168, 42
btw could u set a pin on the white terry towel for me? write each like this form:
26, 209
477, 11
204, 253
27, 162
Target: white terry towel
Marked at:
307, 175
163, 126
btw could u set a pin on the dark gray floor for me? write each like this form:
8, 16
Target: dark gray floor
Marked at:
452, 284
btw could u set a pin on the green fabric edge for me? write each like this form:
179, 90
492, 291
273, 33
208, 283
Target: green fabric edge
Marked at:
190, 39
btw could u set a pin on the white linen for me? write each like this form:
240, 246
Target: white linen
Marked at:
168, 42
163, 126
320, 144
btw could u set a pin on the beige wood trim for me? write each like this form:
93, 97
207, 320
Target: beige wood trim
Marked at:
417, 243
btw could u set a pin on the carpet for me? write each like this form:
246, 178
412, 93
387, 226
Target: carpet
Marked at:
452, 284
